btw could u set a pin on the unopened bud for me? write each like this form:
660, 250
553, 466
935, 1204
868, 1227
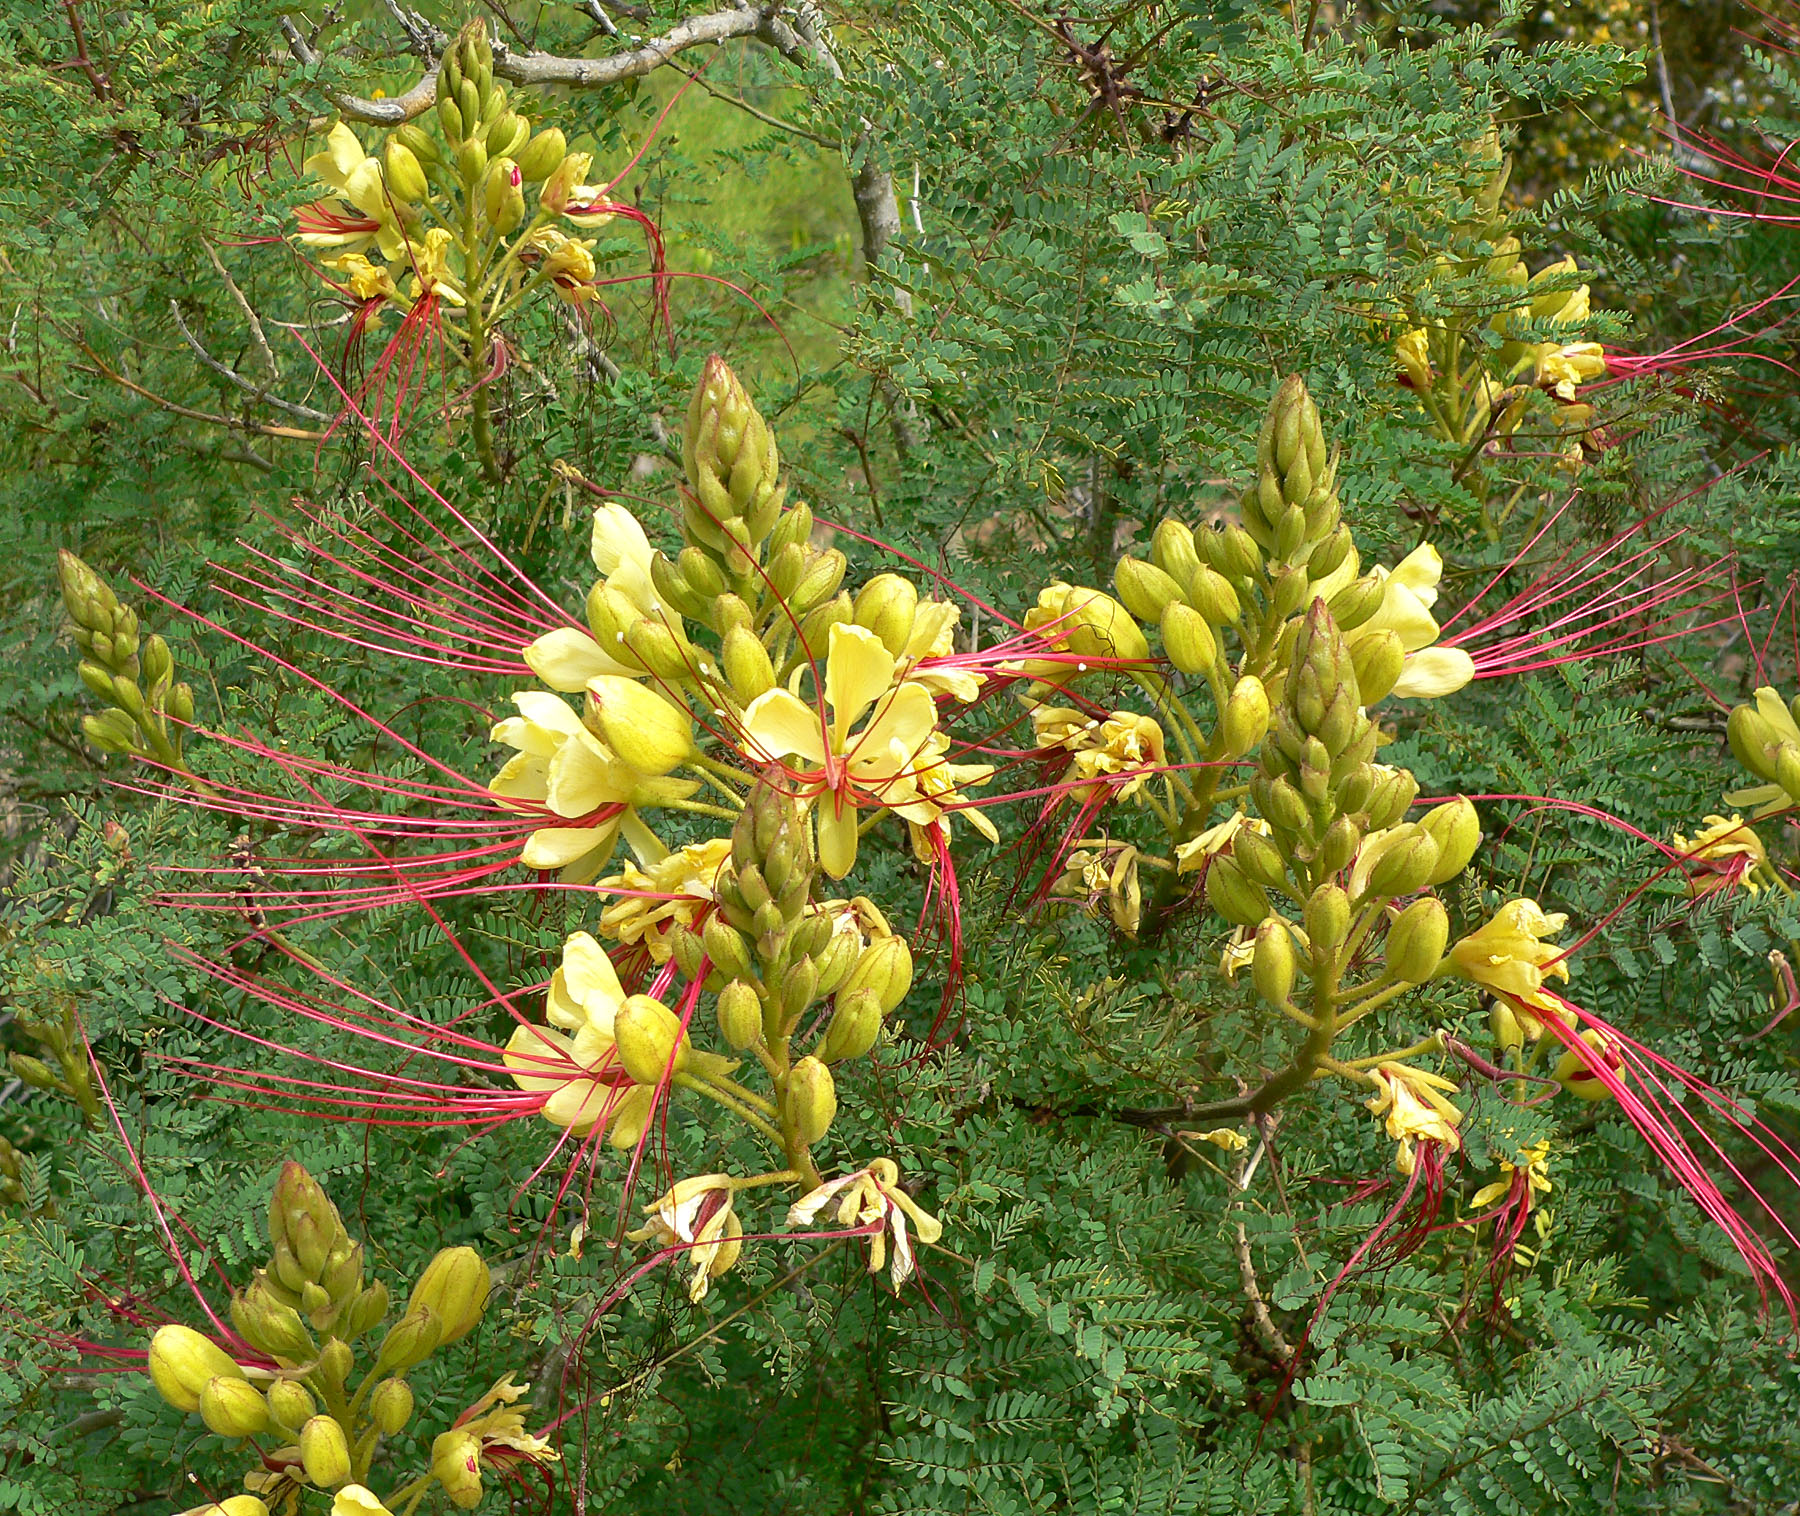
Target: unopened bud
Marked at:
391, 1406
1245, 720
34, 1071
740, 1015
811, 1099
1211, 594
729, 453
1378, 658
1259, 858
336, 1360
1288, 590
1187, 639
1338, 846
888, 605
1272, 965
1357, 601
290, 1405
836, 958
402, 171
649, 1040
1509, 1036
1417, 939
746, 664
647, 731
1787, 768
854, 1026
1327, 917
181, 1362
233, 1407
1456, 829
885, 966
1391, 797
1399, 863
324, 1452
454, 1289
365, 1312
725, 945
269, 1326
1173, 551
540, 156
409, 1342
1234, 895
471, 159
819, 579
1145, 589
110, 731
1753, 741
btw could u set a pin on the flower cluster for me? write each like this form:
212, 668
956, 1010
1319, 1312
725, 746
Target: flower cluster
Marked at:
286, 1371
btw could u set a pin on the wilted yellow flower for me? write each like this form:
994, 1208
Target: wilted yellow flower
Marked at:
864, 1198
429, 260
673, 891
697, 1212
491, 1433
1122, 742
1106, 872
567, 262
1562, 368
1216, 839
1415, 1109
364, 280
1413, 353
936, 794
1724, 853
1535, 1161
1509, 957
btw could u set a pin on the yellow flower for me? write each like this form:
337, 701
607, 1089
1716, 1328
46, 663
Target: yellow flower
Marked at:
935, 784
877, 765
355, 1500
697, 1212
670, 892
567, 658
364, 280
1562, 368
865, 1198
568, 263
490, 1432
1509, 957
363, 212
1535, 1161
1416, 1110
430, 263
1123, 742
934, 636
1110, 872
580, 1073
1724, 853
1083, 622
1769, 798
1409, 590
1413, 353
1238, 953
1216, 839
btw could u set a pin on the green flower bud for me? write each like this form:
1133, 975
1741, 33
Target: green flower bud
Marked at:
740, 1015
402, 172
819, 580
661, 651
110, 731
233, 1407
1338, 846
782, 572
1752, 737
886, 967
1378, 658
816, 624
391, 1406
1211, 594
417, 141
1787, 768
503, 195
1509, 1036
158, 662
1188, 640
729, 453
1173, 550
98, 681
181, 1362
34, 1071
471, 162
746, 664
325, 1453
507, 137
888, 605
449, 114
855, 1024
1392, 797
365, 1312
1357, 601
1281, 804
1234, 895
540, 156
1272, 965
1288, 591
1329, 554
1417, 939
835, 958
646, 730
810, 1099
409, 1342
648, 1036
1399, 863
1456, 829
336, 1360
1327, 917
1245, 720
269, 1326
1144, 588
454, 1289
290, 1406
1259, 858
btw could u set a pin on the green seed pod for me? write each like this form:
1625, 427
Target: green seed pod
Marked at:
1145, 589
740, 1015
648, 1036
1417, 939
855, 1024
810, 1099
1187, 639
1327, 917
233, 1407
1272, 965
325, 1453
1234, 895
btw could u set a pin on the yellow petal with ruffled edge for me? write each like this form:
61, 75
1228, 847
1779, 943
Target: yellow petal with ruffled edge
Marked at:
858, 671
781, 725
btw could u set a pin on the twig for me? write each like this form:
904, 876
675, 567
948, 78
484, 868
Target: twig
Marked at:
250, 316
234, 423
257, 392
1267, 1333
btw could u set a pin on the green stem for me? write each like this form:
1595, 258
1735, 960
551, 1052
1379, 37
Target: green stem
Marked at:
736, 1107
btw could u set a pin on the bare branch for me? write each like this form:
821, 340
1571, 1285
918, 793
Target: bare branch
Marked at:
232, 376
256, 329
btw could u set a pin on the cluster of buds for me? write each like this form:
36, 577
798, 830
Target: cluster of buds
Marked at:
146, 710
63, 1069
289, 1373
1477, 390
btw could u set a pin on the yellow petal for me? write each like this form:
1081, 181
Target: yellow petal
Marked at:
590, 981
555, 847
1419, 571
782, 725
538, 1058
547, 711
1434, 671
584, 777
524, 776
618, 540
903, 723
837, 836
858, 672
567, 658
